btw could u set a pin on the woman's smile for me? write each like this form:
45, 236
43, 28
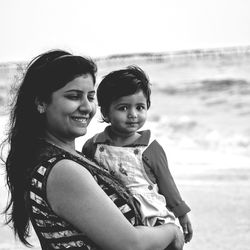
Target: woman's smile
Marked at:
81, 120
71, 108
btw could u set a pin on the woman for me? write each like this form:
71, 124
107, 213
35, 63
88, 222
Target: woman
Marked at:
71, 202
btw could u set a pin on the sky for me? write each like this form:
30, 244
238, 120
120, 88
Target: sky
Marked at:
99, 28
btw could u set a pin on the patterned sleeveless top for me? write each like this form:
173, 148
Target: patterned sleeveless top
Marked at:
53, 231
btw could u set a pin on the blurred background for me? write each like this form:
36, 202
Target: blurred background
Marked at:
197, 56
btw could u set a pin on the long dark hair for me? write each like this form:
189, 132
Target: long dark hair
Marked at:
45, 74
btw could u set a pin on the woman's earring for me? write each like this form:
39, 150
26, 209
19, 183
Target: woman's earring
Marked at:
40, 109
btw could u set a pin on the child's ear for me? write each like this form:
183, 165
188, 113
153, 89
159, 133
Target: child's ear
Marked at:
105, 115
41, 106
106, 119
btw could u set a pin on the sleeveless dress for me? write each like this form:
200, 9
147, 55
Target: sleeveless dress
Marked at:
53, 231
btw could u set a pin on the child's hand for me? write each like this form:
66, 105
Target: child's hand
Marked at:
186, 227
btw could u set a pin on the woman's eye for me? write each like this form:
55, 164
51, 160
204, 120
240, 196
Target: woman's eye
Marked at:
91, 98
73, 97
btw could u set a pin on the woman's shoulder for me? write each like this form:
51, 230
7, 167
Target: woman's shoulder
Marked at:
70, 171
68, 179
44, 165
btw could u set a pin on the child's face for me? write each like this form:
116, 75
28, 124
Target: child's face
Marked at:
128, 113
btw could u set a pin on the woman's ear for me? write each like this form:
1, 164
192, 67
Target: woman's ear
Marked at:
41, 106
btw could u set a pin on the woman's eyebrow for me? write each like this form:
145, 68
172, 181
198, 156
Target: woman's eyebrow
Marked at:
73, 90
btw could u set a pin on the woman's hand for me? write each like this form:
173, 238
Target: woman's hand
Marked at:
178, 242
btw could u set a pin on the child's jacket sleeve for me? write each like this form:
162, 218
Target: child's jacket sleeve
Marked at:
89, 148
154, 158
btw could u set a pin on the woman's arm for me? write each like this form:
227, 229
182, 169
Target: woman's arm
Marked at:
75, 196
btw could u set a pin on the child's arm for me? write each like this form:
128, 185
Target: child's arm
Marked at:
89, 148
155, 158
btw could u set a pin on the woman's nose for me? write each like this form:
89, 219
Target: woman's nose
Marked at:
85, 106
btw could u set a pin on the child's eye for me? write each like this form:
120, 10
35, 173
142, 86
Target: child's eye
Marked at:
123, 108
141, 107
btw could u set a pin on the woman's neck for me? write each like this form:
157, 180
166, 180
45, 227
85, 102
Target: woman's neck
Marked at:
68, 145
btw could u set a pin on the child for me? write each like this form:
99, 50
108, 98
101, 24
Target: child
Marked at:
133, 156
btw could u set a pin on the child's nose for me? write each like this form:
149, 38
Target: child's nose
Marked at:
132, 114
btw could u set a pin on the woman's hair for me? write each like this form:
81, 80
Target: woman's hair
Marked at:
120, 83
44, 75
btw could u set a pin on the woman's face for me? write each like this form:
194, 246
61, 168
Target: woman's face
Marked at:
71, 109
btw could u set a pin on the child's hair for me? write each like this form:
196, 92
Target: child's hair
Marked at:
120, 83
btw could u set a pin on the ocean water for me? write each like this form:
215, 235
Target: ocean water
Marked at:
200, 103
200, 114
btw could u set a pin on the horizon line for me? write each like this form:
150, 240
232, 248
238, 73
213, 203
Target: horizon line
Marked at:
181, 52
